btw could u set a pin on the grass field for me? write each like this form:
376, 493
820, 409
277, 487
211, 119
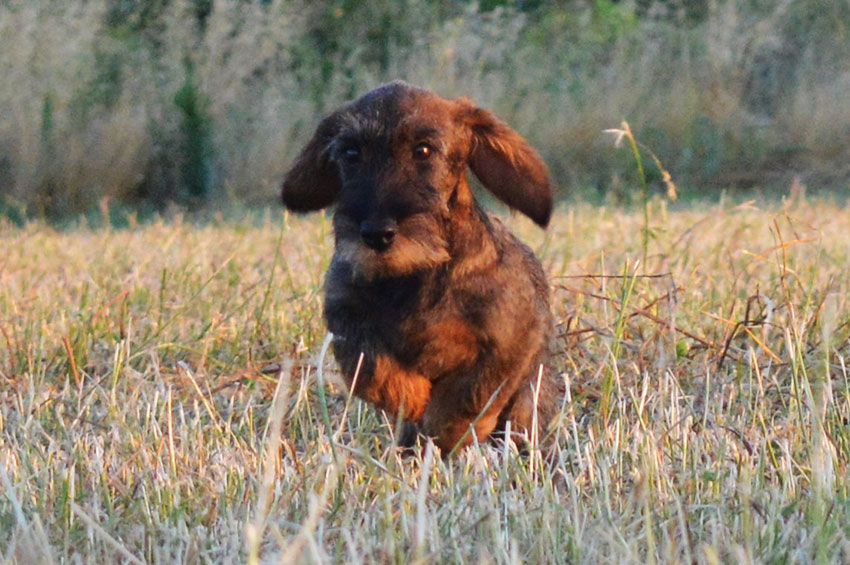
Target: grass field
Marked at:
160, 400
150, 103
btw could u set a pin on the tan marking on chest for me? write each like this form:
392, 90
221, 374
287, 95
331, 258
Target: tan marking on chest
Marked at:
448, 345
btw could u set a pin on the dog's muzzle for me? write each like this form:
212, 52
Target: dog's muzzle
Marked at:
378, 235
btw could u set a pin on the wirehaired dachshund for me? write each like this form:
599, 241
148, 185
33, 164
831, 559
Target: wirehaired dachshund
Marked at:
439, 314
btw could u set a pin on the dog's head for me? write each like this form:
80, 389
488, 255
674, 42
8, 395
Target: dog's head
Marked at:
394, 163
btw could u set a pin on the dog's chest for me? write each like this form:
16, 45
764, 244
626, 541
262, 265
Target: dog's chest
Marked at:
421, 323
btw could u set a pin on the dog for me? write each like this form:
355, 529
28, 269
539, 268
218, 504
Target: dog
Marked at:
440, 315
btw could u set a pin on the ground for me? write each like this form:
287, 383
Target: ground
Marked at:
147, 374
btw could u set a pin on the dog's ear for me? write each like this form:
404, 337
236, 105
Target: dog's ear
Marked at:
507, 165
313, 181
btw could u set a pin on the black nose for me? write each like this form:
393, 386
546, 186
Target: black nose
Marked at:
378, 235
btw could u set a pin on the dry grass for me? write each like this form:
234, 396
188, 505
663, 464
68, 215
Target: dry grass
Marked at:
742, 97
707, 420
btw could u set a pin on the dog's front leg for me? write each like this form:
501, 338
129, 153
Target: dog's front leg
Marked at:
464, 407
396, 389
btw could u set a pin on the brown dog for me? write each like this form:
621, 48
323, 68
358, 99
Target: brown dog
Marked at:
437, 310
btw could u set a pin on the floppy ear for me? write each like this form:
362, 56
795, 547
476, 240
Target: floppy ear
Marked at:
313, 181
508, 166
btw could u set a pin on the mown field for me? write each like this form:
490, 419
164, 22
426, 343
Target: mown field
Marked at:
160, 400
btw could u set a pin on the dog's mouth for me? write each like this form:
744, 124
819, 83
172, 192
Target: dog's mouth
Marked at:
389, 248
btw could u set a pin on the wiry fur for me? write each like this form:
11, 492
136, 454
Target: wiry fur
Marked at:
444, 313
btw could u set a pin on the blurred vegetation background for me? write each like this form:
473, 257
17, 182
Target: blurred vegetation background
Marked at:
146, 104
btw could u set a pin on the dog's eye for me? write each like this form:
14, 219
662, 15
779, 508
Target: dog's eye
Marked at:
350, 154
422, 152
